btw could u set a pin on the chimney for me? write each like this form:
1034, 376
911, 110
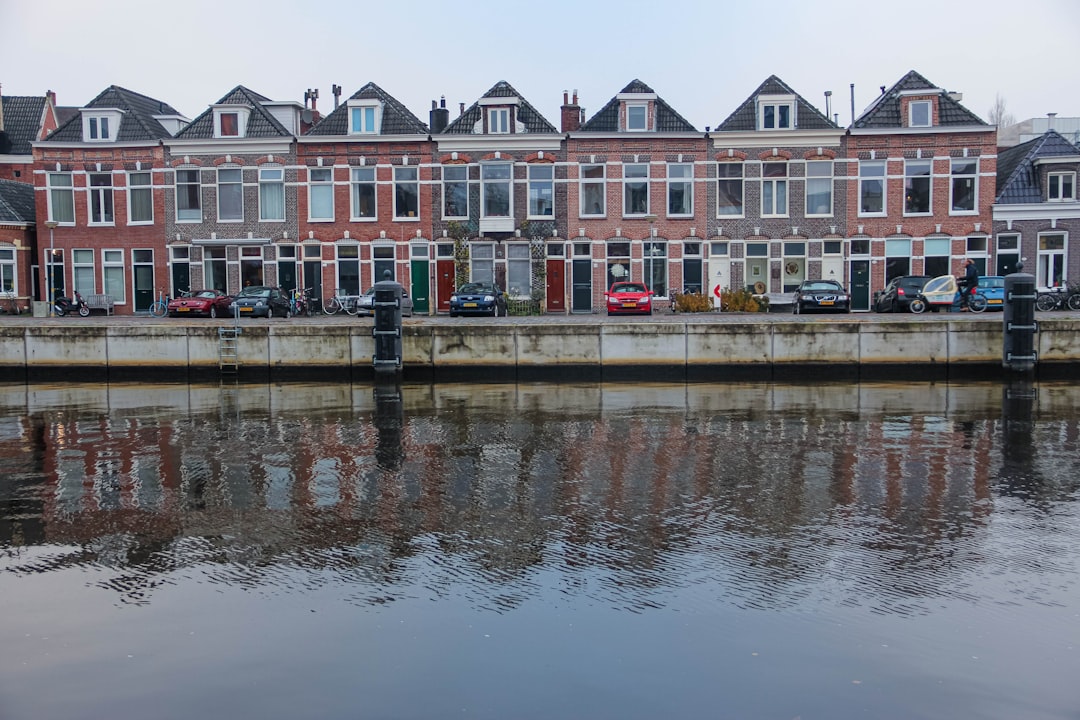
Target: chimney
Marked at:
440, 116
571, 113
461, 109
336, 90
1050, 120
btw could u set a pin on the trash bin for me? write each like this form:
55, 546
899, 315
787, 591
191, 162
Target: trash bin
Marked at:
40, 308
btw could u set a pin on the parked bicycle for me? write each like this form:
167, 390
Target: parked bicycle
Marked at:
10, 306
1059, 298
159, 307
341, 303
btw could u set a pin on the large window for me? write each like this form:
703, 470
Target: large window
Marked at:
963, 185
215, 268
101, 199
541, 190
897, 258
655, 267
1061, 186
618, 262
230, 194
495, 190
680, 189
140, 198
636, 189
348, 269
1050, 267
917, 187
774, 198
919, 113
819, 188
363, 193
112, 272
776, 116
82, 271
382, 260
406, 192
188, 196
271, 194
61, 198
729, 189
455, 191
482, 263
937, 256
320, 194
593, 194
692, 267
872, 188
499, 120
518, 270
7, 269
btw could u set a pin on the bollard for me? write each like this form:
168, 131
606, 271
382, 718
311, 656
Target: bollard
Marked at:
1018, 352
386, 307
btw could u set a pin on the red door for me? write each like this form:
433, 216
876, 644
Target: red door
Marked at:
444, 282
556, 285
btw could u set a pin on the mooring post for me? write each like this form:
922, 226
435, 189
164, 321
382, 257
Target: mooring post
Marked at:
386, 306
1018, 322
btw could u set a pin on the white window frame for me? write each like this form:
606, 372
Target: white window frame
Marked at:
140, 189
242, 112
100, 126
404, 177
541, 178
973, 177
83, 271
369, 113
455, 182
518, 270
593, 181
112, 264
635, 123
482, 256
680, 176
498, 121
100, 200
232, 186
776, 182
198, 193
61, 194
631, 180
487, 183
9, 278
1050, 264
320, 189
363, 176
1056, 191
922, 104
269, 184
654, 253
909, 182
776, 104
883, 179
740, 179
819, 173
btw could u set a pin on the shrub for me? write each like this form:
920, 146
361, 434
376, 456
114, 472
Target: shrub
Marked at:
693, 303
742, 301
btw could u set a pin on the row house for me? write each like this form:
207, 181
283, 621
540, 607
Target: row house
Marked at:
24, 119
1036, 211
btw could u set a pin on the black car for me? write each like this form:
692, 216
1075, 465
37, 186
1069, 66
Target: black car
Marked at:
821, 296
478, 298
897, 295
261, 301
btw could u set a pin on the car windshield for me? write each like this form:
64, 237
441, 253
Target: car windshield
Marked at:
628, 288
254, 292
477, 288
206, 294
824, 285
992, 282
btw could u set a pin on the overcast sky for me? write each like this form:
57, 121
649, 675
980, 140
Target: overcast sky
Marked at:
703, 58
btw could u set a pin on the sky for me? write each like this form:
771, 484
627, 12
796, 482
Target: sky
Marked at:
703, 58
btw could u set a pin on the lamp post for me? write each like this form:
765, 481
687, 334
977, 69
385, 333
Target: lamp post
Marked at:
50, 268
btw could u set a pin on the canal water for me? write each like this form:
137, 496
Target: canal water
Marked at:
540, 551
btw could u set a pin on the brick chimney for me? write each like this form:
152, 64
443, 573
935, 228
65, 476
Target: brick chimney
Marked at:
440, 116
571, 113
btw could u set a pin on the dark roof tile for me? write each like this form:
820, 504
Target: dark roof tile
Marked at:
807, 117
23, 116
533, 121
1017, 176
396, 118
138, 123
607, 119
16, 202
261, 122
884, 112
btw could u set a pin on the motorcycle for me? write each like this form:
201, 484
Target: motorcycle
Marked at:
63, 305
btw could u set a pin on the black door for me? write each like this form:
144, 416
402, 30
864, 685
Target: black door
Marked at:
581, 297
860, 284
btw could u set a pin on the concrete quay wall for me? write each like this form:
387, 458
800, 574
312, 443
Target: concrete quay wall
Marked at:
524, 351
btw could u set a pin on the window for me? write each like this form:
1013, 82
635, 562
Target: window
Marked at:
215, 268
140, 198
112, 266
499, 120
1008, 253
729, 188
1061, 186
963, 184
61, 198
406, 192
188, 202
692, 268
82, 271
101, 199
320, 193
919, 113
99, 128
364, 119
719, 249
680, 189
593, 190
819, 185
637, 118
383, 260
776, 116
872, 188
936, 256
636, 189
897, 258
518, 270
363, 193
482, 261
1050, 267
618, 262
230, 194
774, 188
348, 269
230, 124
495, 190
541, 190
271, 194
917, 184
455, 191
655, 267
7, 269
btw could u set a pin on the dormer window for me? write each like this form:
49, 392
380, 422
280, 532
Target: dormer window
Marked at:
230, 121
100, 126
1061, 186
637, 117
776, 112
365, 117
499, 121
919, 113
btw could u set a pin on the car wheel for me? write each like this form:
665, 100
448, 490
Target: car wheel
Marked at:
796, 309
269, 313
213, 313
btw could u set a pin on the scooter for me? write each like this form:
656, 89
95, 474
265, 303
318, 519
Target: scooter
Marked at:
63, 305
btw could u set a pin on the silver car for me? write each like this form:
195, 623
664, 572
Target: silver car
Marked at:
364, 303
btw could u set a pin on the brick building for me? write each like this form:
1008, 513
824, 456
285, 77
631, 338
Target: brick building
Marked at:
17, 243
24, 119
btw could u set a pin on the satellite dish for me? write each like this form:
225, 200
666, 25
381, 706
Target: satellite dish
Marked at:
306, 115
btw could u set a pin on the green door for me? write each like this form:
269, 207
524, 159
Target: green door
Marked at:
144, 287
421, 286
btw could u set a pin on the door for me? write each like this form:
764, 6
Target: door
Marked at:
581, 298
860, 284
444, 274
144, 287
421, 286
287, 275
313, 278
556, 285
181, 278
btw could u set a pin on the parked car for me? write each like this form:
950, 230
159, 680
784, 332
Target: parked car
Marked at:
992, 288
364, 303
897, 295
209, 303
820, 296
261, 301
629, 298
478, 298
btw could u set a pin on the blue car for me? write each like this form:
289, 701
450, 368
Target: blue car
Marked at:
992, 288
478, 298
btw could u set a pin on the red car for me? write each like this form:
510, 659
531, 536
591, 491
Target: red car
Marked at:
629, 298
211, 303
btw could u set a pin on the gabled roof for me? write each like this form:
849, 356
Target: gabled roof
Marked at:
23, 117
138, 123
534, 122
607, 119
396, 118
1017, 177
884, 112
261, 123
807, 117
16, 202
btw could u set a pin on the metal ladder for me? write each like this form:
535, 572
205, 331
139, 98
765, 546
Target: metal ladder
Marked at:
228, 358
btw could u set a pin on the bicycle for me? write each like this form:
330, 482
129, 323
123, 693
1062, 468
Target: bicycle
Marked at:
1059, 298
12, 306
341, 303
159, 307
972, 300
